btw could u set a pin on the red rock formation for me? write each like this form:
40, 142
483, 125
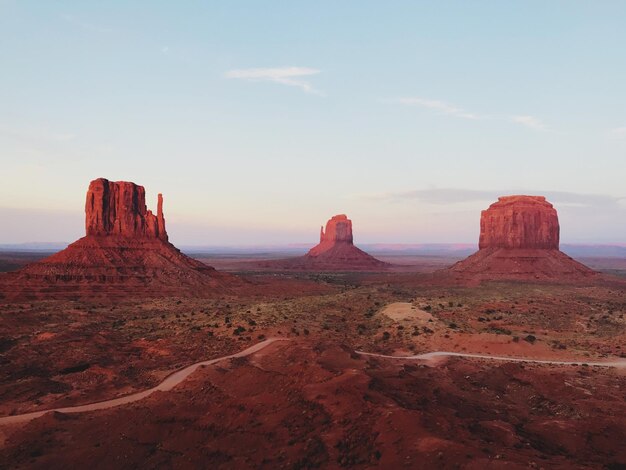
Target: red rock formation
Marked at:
119, 208
335, 252
125, 252
519, 240
338, 231
520, 222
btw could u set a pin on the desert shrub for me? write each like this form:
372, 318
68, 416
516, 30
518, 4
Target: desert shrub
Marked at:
500, 331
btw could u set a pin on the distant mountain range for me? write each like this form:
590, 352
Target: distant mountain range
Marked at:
34, 246
390, 249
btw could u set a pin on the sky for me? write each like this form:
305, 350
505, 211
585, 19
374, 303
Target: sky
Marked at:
258, 121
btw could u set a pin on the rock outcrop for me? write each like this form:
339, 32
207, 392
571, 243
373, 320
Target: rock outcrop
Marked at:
335, 252
519, 240
125, 252
338, 232
520, 222
119, 208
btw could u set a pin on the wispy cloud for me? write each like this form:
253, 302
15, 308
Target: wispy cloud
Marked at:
439, 106
448, 109
290, 76
444, 196
530, 122
85, 25
36, 134
618, 132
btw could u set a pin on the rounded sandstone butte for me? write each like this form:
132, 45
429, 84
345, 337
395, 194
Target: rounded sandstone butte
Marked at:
119, 208
520, 222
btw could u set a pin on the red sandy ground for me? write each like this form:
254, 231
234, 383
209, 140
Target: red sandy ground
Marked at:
311, 402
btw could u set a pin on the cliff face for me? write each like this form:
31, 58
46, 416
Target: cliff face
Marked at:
338, 231
119, 208
520, 222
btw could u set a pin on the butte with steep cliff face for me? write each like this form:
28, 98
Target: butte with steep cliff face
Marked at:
334, 252
519, 240
125, 252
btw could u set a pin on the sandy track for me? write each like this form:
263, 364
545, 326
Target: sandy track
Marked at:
177, 377
169, 383
436, 354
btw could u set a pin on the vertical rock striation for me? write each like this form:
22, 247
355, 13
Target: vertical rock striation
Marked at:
520, 222
119, 208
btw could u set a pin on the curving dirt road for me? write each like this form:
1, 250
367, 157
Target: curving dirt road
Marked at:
433, 355
177, 377
169, 383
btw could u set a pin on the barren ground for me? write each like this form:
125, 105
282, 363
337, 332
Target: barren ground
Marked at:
312, 402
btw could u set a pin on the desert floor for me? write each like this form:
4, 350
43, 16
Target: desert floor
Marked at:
313, 401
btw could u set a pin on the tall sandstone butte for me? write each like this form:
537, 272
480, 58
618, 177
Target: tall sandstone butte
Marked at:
519, 240
125, 251
119, 208
338, 231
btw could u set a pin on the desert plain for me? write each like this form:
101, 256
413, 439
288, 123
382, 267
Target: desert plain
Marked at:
121, 351
312, 401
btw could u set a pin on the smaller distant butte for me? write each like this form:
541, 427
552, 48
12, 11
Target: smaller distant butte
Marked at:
334, 252
519, 240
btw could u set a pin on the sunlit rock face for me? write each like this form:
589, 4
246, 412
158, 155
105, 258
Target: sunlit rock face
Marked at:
119, 208
338, 231
520, 222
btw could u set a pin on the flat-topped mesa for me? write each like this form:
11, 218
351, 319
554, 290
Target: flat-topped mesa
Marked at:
338, 231
520, 222
118, 208
519, 240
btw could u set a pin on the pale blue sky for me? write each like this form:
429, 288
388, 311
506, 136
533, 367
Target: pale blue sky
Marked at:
260, 120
